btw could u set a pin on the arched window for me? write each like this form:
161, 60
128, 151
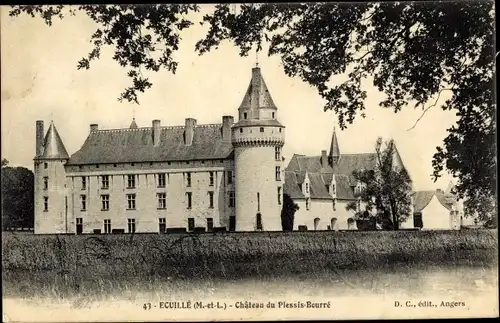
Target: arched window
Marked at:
316, 223
333, 224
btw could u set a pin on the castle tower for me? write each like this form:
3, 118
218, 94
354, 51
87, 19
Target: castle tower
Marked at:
257, 139
51, 205
334, 155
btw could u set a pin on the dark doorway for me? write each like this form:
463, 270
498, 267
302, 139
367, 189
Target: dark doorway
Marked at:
232, 223
259, 221
79, 225
190, 224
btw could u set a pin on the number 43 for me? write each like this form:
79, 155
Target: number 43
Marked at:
147, 306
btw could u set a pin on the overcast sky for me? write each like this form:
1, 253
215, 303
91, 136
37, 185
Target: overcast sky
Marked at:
40, 82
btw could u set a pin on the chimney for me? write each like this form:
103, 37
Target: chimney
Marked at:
324, 159
39, 137
227, 122
189, 131
94, 127
156, 132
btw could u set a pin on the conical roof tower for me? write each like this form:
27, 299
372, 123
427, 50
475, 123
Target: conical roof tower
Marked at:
53, 147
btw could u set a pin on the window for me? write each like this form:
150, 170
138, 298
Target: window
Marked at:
96, 165
273, 115
261, 129
105, 181
211, 174
45, 165
162, 200
307, 204
132, 164
231, 199
189, 199
130, 201
211, 199
334, 202
45, 203
241, 130
161, 180
83, 201
230, 175
316, 223
105, 202
333, 189
107, 226
162, 225
130, 181
210, 224
114, 165
279, 195
190, 224
131, 225
278, 173
259, 221
79, 225
277, 153
280, 129
45, 183
84, 182
188, 179
244, 115
333, 224
307, 188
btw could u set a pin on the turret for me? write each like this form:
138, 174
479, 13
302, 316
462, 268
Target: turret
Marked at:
334, 155
258, 138
51, 208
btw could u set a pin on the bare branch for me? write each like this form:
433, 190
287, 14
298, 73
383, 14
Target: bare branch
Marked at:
427, 109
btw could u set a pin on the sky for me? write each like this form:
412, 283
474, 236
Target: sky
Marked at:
40, 81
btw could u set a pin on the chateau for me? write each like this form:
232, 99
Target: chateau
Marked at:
149, 179
195, 177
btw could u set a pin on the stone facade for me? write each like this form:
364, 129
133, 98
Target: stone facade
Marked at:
154, 178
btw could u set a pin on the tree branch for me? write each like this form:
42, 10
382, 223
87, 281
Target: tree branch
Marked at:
427, 109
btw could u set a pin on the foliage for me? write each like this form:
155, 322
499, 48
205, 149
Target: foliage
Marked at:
404, 48
17, 197
288, 213
387, 187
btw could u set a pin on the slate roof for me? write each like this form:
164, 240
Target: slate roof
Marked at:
320, 176
257, 94
422, 198
136, 145
53, 147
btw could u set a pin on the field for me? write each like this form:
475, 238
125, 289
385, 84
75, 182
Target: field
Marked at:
61, 266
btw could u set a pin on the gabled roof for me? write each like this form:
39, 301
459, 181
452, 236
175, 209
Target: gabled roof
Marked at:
320, 176
422, 198
136, 145
133, 125
292, 186
53, 147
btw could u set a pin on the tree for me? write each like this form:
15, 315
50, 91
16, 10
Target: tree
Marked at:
288, 213
403, 48
17, 197
387, 187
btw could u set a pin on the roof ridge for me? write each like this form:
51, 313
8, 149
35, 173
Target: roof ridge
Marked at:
207, 125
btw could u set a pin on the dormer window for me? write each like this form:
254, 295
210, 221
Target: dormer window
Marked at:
273, 115
244, 115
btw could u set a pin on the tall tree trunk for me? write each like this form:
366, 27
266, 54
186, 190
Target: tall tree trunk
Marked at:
394, 212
